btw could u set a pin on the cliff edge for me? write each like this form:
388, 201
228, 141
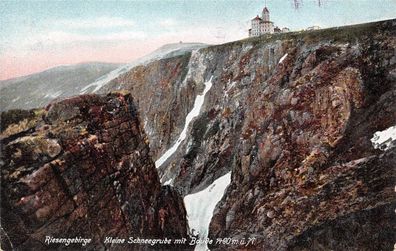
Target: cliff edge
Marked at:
81, 168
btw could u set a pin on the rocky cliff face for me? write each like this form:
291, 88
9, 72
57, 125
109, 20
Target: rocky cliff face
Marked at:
162, 97
81, 168
291, 116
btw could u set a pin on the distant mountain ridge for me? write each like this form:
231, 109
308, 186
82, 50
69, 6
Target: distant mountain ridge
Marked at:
62, 67
38, 89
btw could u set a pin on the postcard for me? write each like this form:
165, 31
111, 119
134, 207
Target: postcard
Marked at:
198, 125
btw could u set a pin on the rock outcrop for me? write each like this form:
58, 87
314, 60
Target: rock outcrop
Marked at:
291, 115
305, 174
82, 168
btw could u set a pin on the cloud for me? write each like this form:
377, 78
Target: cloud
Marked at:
99, 22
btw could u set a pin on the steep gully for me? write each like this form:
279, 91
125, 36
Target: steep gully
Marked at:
199, 100
200, 205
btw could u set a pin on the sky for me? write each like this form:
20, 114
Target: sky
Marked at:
36, 35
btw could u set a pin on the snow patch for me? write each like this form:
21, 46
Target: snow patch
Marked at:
15, 99
53, 95
200, 207
8, 238
199, 100
107, 78
196, 67
383, 139
232, 85
282, 58
169, 182
246, 48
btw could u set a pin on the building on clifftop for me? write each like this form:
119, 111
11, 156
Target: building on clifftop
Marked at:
263, 25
